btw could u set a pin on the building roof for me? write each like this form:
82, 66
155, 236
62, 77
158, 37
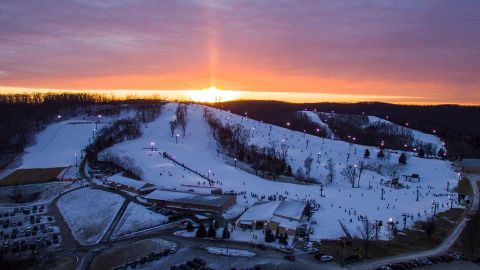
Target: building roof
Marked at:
290, 209
287, 213
286, 222
188, 197
122, 180
260, 211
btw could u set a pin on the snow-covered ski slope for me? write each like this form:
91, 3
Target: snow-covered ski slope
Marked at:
419, 136
198, 150
57, 145
315, 118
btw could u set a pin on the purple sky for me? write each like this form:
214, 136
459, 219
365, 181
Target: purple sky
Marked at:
427, 49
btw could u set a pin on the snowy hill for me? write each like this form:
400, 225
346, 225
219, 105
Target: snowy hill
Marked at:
381, 125
198, 151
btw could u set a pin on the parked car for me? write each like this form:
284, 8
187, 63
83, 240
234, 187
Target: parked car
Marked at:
353, 258
326, 258
289, 256
312, 250
284, 249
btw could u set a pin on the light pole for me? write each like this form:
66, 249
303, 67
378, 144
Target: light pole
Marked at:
76, 163
98, 120
392, 224
152, 145
209, 174
235, 161
176, 138
93, 132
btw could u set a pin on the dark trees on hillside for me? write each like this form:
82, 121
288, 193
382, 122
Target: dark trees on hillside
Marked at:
234, 140
457, 126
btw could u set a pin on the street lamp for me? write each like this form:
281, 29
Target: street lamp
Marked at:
76, 163
209, 171
235, 160
152, 144
98, 120
176, 137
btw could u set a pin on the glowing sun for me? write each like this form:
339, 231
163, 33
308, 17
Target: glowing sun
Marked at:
212, 95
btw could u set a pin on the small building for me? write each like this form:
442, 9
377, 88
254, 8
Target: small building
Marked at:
120, 182
286, 215
191, 201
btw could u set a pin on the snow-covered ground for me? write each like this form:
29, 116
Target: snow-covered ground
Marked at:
57, 145
89, 213
231, 252
136, 218
315, 118
198, 150
418, 135
238, 234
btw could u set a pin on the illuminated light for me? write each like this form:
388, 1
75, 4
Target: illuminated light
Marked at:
212, 95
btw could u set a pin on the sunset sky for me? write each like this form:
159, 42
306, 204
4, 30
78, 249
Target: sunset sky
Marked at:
397, 51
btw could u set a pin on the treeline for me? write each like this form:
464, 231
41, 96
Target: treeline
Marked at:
233, 139
358, 129
23, 115
456, 125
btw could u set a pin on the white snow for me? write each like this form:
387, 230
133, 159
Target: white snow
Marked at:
89, 213
198, 151
231, 252
129, 182
290, 209
418, 135
261, 211
137, 218
57, 145
315, 118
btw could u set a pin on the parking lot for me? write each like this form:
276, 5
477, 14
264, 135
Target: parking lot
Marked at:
28, 229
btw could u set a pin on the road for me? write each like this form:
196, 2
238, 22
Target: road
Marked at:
442, 248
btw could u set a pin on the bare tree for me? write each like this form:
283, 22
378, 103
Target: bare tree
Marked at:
429, 226
308, 166
173, 126
349, 174
367, 232
331, 170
